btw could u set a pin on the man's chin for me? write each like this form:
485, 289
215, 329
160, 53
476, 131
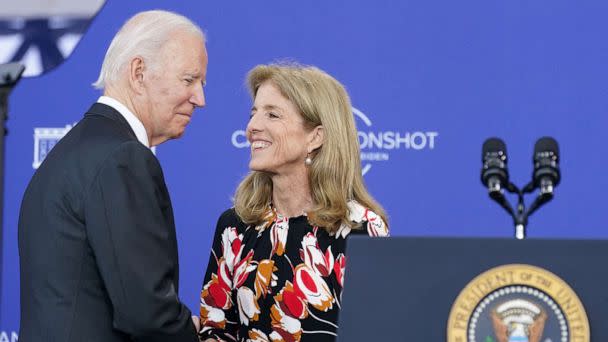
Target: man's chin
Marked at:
179, 133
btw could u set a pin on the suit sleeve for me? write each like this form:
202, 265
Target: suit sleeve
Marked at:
131, 231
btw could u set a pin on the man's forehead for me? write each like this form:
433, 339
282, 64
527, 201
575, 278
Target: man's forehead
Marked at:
184, 57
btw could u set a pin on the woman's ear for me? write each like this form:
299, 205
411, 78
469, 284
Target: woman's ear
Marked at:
317, 137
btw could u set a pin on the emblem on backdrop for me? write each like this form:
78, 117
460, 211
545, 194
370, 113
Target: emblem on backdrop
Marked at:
45, 138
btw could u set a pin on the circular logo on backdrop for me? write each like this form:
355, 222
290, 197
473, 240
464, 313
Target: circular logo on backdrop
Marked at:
517, 303
377, 145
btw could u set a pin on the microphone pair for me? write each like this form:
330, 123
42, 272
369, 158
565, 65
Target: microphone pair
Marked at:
545, 176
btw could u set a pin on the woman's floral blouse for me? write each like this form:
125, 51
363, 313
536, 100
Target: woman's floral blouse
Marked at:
279, 281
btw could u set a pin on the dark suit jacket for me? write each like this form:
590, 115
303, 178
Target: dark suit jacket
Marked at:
97, 245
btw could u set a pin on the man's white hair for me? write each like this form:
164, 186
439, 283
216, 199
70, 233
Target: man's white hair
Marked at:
142, 35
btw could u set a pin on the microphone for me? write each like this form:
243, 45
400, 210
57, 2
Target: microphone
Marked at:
495, 176
494, 173
546, 175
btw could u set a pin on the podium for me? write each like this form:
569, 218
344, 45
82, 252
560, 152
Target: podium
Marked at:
475, 289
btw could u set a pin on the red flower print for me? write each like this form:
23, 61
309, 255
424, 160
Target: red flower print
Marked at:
375, 224
242, 270
212, 317
215, 296
286, 328
264, 278
256, 335
232, 247
292, 302
248, 305
216, 292
339, 267
313, 257
278, 235
313, 287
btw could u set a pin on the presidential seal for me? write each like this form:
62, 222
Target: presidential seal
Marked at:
518, 303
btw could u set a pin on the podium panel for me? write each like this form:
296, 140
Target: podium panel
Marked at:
475, 289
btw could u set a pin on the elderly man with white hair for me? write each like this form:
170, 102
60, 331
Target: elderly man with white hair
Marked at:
97, 244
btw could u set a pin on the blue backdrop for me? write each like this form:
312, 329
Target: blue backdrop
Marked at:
430, 81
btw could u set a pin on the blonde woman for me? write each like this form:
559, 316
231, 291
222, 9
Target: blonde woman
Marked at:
276, 270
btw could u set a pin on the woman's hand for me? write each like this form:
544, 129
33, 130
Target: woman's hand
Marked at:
197, 323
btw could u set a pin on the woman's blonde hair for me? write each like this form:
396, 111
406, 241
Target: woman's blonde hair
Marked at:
335, 173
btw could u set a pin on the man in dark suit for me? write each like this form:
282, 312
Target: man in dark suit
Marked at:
97, 243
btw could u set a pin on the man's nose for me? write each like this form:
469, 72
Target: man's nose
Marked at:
198, 97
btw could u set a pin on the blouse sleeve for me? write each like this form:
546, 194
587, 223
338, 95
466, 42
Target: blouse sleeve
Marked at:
218, 311
375, 224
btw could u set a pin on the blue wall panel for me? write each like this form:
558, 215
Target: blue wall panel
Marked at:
450, 73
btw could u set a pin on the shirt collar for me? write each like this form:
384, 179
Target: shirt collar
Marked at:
134, 122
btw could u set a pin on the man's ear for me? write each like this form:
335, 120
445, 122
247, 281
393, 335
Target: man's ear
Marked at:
137, 67
317, 137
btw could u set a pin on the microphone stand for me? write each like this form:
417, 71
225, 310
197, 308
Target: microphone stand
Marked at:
520, 220
520, 217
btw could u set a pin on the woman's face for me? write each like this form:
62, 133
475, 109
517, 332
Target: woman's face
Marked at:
279, 140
